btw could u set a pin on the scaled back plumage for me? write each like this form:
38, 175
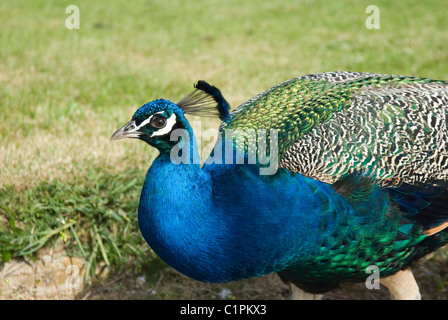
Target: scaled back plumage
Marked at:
388, 127
330, 125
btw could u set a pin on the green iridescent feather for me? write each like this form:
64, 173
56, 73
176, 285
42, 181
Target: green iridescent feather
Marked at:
379, 106
297, 106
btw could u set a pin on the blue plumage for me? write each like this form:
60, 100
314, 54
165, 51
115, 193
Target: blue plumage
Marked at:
226, 221
215, 234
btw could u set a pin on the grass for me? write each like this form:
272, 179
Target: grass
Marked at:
63, 93
94, 216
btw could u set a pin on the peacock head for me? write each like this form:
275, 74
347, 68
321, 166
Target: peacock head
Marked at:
155, 121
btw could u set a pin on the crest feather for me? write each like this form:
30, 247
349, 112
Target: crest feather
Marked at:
206, 101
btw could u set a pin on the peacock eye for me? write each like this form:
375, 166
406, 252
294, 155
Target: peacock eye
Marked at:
158, 122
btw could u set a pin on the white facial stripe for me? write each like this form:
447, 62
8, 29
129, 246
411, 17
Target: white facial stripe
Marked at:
144, 123
170, 122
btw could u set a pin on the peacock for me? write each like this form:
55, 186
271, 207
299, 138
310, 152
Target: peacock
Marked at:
317, 179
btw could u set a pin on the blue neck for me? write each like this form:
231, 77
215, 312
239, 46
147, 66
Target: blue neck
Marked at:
205, 225
175, 214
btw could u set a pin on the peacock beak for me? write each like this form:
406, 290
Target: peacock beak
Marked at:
129, 130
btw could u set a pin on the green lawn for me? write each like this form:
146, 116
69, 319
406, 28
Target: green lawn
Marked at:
63, 93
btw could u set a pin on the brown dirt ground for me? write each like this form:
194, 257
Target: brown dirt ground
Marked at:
52, 276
